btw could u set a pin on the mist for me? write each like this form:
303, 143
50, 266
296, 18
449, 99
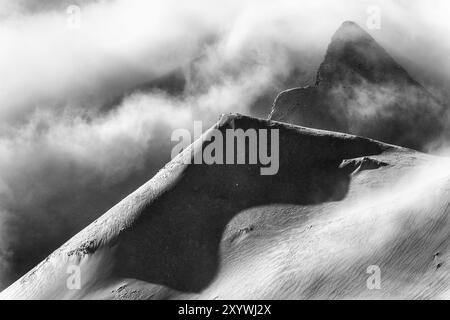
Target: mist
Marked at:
87, 109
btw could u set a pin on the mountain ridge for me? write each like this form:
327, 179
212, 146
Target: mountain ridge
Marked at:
137, 238
226, 232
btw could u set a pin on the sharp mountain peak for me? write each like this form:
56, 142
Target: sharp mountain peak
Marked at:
360, 89
354, 50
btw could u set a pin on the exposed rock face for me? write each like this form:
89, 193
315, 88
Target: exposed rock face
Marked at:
361, 90
357, 165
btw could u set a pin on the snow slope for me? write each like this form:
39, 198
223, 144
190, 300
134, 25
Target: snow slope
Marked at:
338, 205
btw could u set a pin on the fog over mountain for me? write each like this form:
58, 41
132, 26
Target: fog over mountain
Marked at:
339, 207
86, 111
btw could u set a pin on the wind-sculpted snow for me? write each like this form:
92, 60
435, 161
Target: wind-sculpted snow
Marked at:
225, 231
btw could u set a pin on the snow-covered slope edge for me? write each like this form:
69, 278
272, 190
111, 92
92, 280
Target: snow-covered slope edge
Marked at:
225, 231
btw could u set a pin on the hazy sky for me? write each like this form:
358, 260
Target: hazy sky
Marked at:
88, 98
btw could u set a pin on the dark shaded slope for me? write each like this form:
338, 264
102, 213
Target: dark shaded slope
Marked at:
183, 228
168, 232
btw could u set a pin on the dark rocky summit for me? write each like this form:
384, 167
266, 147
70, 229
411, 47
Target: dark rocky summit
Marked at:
360, 89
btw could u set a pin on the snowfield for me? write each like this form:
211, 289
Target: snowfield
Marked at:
323, 227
